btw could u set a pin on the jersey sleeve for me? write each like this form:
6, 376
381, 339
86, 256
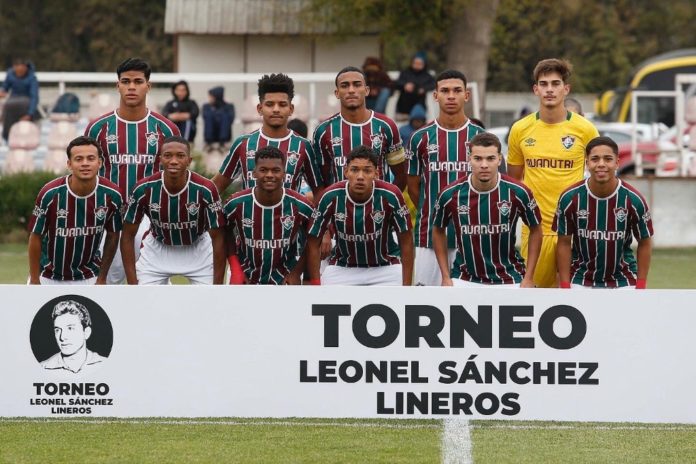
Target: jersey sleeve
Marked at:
531, 214
442, 216
135, 207
114, 221
642, 226
515, 156
563, 223
37, 224
401, 219
214, 212
395, 148
414, 156
232, 164
321, 217
311, 171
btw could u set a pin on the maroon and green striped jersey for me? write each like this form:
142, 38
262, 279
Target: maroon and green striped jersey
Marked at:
363, 231
71, 227
300, 160
335, 138
602, 230
131, 148
439, 157
271, 238
484, 225
179, 218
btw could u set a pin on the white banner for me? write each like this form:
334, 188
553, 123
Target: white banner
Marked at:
183, 351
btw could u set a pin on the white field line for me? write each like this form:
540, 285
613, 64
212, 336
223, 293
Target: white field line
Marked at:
456, 442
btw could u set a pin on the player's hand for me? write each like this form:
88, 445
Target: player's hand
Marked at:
527, 283
409, 87
325, 249
447, 282
292, 279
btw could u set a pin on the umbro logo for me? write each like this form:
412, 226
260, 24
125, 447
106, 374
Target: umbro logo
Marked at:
529, 142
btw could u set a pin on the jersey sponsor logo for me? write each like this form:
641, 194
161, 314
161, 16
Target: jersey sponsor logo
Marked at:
449, 166
112, 138
251, 154
647, 216
336, 141
316, 214
79, 231
151, 138
608, 235
377, 140
377, 216
215, 206
568, 141
100, 213
62, 213
192, 208
267, 244
529, 142
155, 207
293, 157
504, 207
126, 158
247, 222
402, 211
175, 225
532, 204
339, 217
340, 160
484, 229
583, 214
620, 214
38, 211
549, 163
287, 221
463, 209
369, 237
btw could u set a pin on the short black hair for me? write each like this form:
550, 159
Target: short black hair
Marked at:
486, 139
276, 83
269, 152
450, 74
299, 127
82, 141
348, 69
134, 64
602, 140
362, 152
177, 139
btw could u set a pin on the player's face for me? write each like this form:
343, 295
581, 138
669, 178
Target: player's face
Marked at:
84, 162
133, 88
484, 163
602, 164
275, 109
351, 90
361, 174
451, 95
175, 158
269, 174
69, 333
551, 90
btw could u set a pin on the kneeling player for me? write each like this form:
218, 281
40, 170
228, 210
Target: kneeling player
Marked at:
185, 212
596, 221
484, 208
267, 225
364, 211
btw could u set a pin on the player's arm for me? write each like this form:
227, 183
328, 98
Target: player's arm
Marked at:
413, 185
399, 171
294, 277
217, 237
313, 256
644, 255
440, 249
407, 256
34, 258
128, 251
563, 255
221, 182
515, 171
533, 250
110, 249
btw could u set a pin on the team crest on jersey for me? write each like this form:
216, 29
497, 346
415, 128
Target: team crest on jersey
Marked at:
251, 154
192, 208
504, 207
112, 138
336, 141
62, 213
463, 209
287, 221
568, 141
432, 148
529, 142
340, 217
620, 214
583, 214
155, 207
151, 138
532, 204
647, 216
100, 213
293, 156
377, 216
247, 222
377, 140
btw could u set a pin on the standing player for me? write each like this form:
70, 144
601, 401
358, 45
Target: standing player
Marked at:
275, 107
69, 219
596, 221
354, 126
438, 156
271, 222
364, 211
483, 209
186, 236
130, 138
547, 151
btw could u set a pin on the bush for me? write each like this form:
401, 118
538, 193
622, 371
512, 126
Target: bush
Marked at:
18, 193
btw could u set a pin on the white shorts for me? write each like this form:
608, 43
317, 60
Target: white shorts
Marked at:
627, 287
117, 274
427, 271
47, 281
158, 262
466, 284
380, 275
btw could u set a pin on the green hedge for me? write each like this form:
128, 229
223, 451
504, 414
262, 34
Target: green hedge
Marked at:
17, 196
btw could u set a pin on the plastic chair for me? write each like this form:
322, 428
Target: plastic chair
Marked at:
100, 104
59, 138
23, 140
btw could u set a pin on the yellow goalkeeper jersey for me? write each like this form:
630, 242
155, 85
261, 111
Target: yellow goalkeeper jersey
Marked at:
553, 156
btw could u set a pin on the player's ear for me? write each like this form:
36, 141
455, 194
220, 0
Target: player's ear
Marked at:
88, 332
336, 92
292, 109
258, 108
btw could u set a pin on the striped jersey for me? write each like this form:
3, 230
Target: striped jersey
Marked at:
363, 231
271, 238
300, 161
602, 231
553, 156
439, 157
335, 138
180, 218
485, 224
131, 148
71, 227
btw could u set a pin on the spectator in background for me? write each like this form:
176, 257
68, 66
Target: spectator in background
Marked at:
182, 111
299, 127
218, 116
23, 89
416, 120
379, 82
571, 104
413, 83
